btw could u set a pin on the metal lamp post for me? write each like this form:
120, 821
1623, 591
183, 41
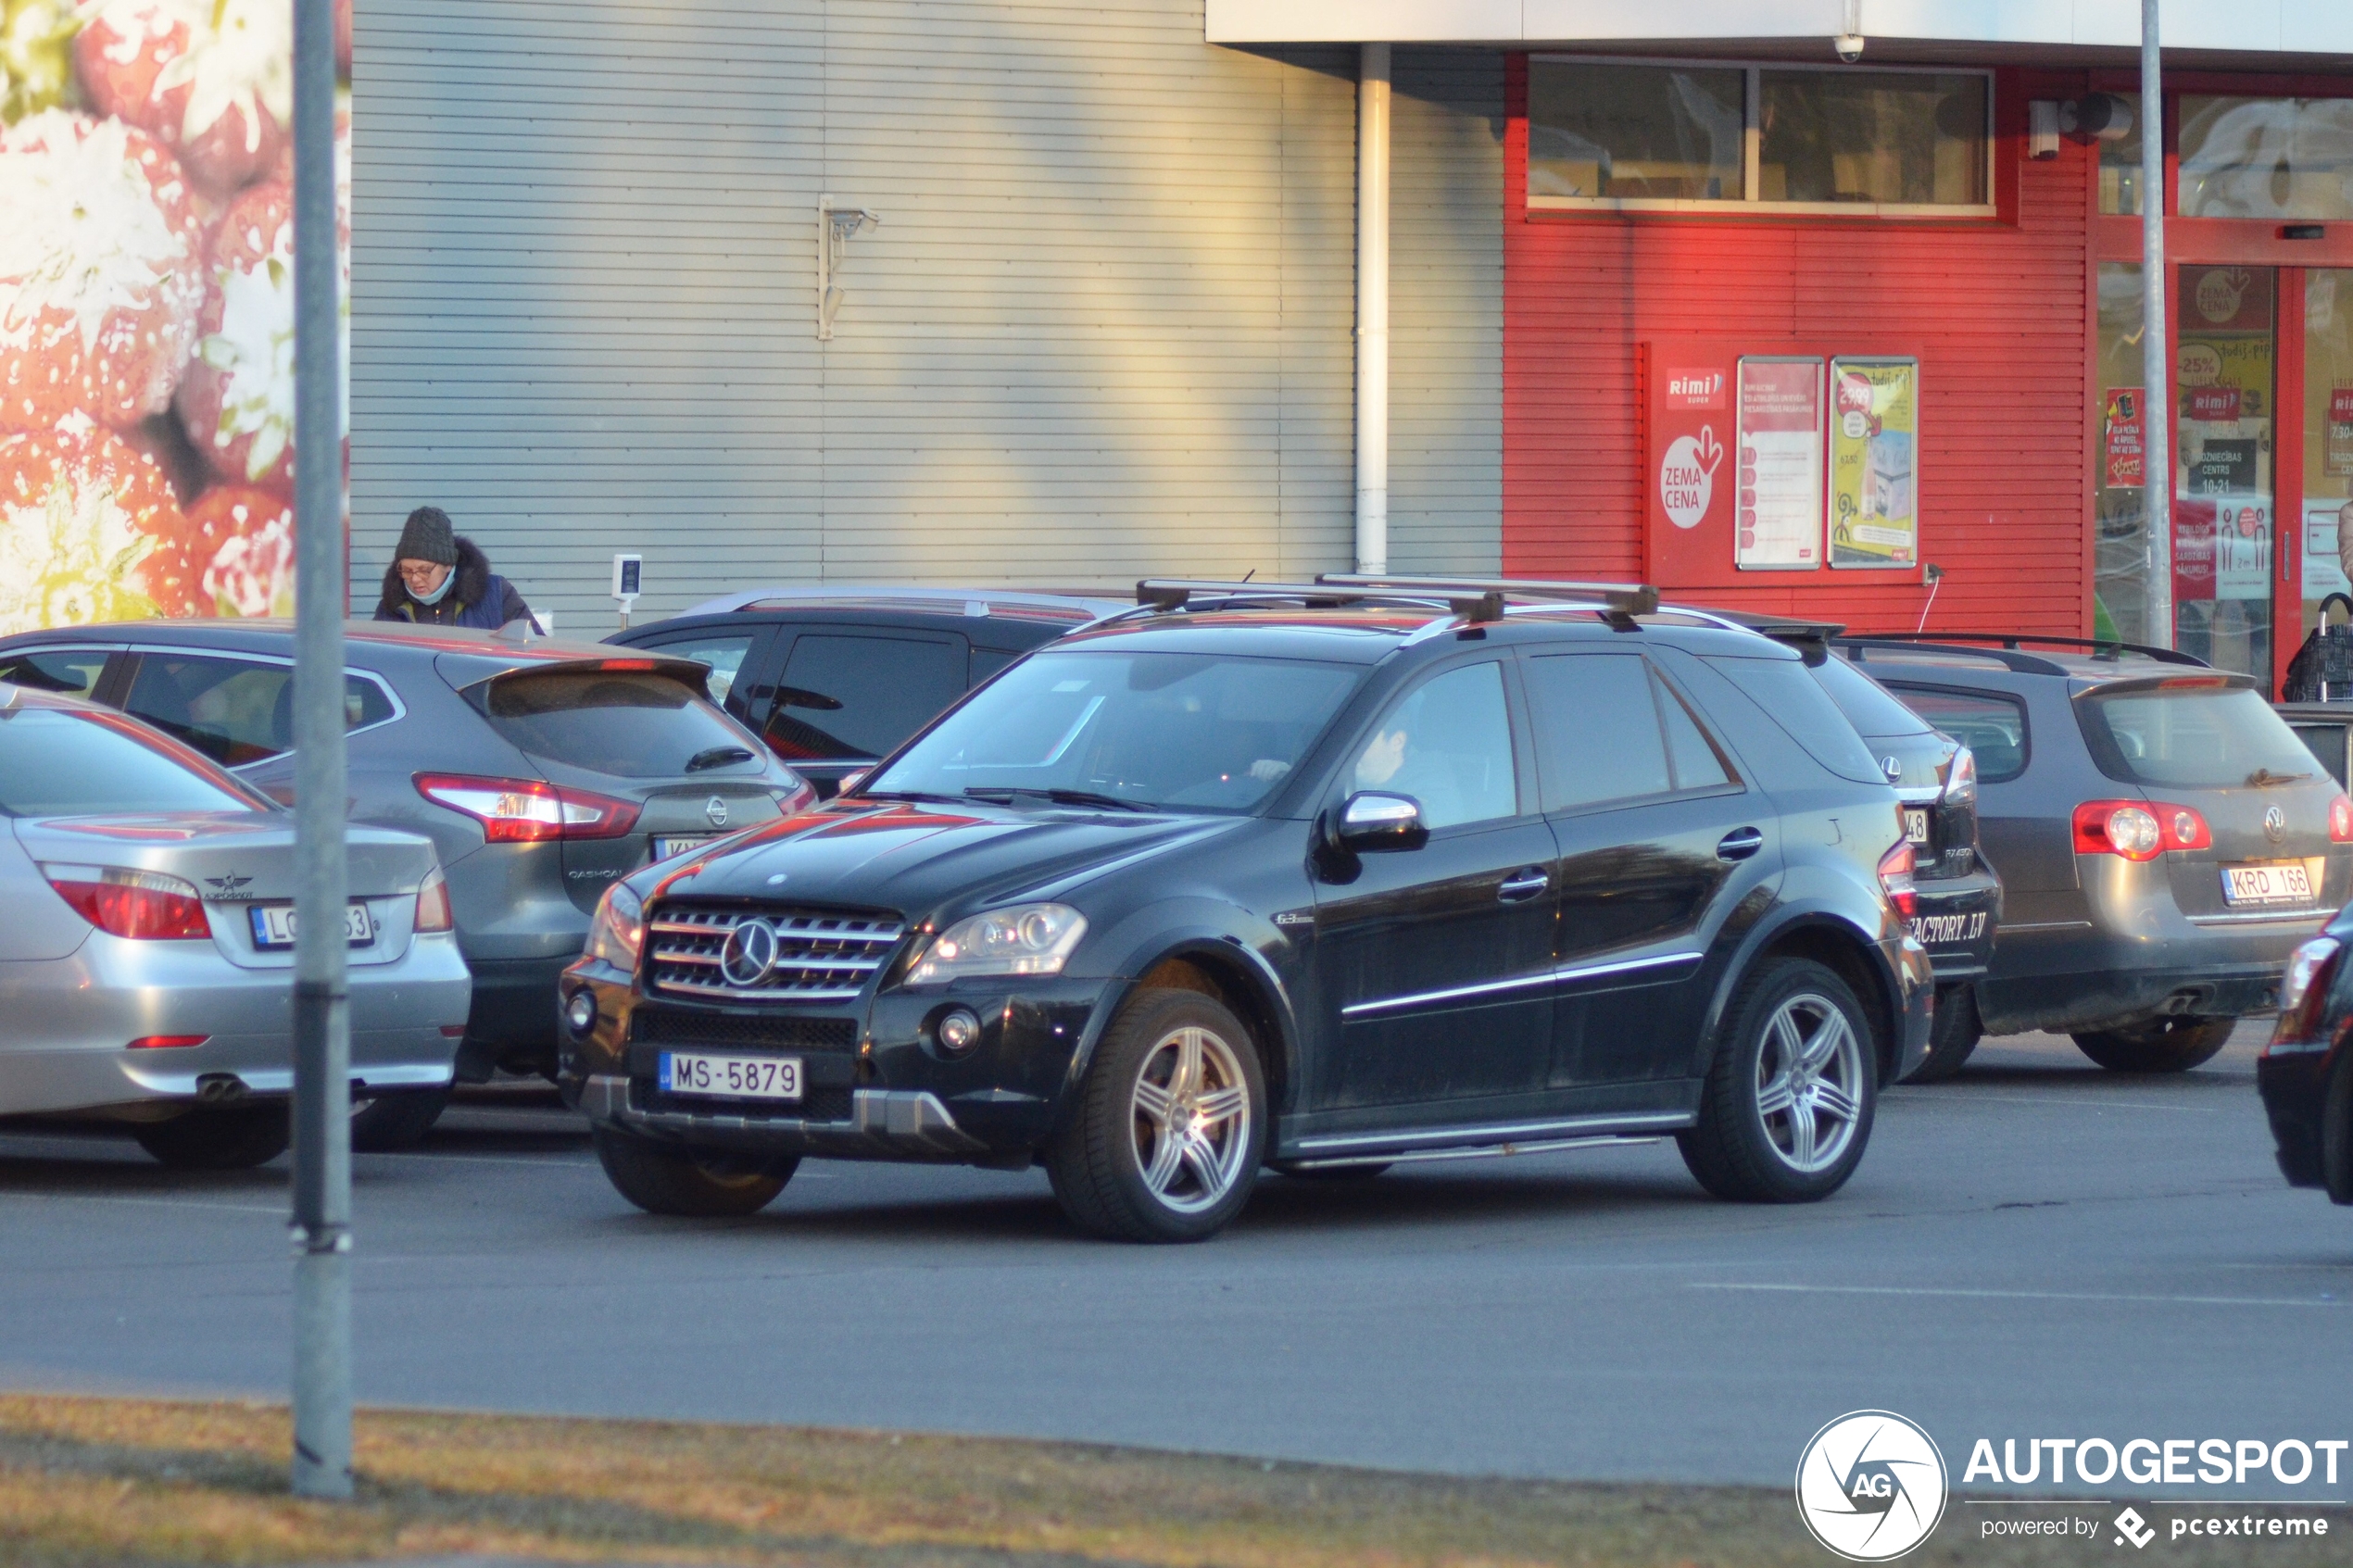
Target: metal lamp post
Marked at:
322, 1010
2156, 447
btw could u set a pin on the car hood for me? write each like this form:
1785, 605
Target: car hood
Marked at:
922, 860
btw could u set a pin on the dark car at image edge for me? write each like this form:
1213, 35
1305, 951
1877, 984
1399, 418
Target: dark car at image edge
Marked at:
1323, 876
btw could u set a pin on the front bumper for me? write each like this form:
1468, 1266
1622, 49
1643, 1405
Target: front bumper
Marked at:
70, 1022
876, 1086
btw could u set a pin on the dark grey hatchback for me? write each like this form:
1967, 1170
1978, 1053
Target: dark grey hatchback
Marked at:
1326, 877
542, 772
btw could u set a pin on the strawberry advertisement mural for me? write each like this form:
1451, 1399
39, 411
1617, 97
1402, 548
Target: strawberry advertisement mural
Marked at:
146, 307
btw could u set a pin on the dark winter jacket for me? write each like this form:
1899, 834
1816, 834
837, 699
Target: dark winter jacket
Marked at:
479, 596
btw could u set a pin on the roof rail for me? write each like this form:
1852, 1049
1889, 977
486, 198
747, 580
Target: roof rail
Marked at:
1620, 599
1160, 594
2020, 642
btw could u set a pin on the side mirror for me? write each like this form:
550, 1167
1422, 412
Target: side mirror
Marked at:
1371, 822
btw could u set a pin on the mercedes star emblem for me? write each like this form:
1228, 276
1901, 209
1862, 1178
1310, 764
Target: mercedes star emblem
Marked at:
2274, 823
750, 953
716, 809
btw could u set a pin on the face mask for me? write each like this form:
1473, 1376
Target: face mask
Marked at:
439, 594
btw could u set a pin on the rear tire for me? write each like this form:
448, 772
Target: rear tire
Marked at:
1166, 1140
1952, 1037
690, 1184
1786, 1111
2163, 1045
390, 1122
211, 1139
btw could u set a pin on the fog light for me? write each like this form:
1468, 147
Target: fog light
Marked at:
958, 1031
581, 1012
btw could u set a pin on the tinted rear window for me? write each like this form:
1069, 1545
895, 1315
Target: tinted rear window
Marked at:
2190, 736
1864, 701
628, 723
1785, 690
59, 764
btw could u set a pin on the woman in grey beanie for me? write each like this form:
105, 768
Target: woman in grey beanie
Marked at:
439, 579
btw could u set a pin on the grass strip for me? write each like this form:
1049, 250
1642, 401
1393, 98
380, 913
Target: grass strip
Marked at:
138, 1484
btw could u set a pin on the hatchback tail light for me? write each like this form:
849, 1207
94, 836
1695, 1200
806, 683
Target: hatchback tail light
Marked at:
2304, 992
168, 1042
1960, 778
147, 906
2138, 830
1896, 879
529, 810
2340, 820
433, 904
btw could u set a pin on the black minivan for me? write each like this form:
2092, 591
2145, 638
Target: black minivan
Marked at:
1326, 877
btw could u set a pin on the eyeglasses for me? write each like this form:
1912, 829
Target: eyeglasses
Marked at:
424, 571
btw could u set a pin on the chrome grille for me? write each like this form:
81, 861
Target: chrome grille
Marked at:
821, 955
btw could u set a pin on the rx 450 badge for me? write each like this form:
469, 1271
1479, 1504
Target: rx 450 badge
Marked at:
1870, 1485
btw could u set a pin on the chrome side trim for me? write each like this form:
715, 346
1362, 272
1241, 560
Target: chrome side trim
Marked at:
1495, 1134
1529, 982
1486, 1151
2008, 929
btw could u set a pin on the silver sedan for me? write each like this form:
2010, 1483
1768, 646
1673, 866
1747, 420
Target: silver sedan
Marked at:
146, 943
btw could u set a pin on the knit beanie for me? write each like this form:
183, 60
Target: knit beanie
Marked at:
428, 535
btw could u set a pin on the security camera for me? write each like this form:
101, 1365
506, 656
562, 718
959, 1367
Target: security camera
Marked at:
1849, 46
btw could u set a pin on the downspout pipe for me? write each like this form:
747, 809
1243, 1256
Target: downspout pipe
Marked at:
1372, 309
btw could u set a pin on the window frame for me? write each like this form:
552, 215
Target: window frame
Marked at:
2012, 699
1662, 690
1748, 204
124, 674
1527, 796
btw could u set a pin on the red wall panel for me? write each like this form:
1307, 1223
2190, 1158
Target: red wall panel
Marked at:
1998, 311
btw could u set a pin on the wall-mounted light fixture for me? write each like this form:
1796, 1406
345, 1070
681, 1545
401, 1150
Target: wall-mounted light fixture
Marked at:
835, 224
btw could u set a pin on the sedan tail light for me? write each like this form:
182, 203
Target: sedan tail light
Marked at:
168, 1042
1896, 879
2340, 820
529, 810
2304, 992
147, 906
433, 904
2138, 830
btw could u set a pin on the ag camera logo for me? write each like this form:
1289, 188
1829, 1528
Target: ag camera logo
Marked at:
1870, 1485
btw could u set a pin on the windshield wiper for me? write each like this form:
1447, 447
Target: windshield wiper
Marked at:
1005, 794
717, 757
2263, 778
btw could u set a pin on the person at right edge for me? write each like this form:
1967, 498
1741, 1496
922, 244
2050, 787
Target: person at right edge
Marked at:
440, 578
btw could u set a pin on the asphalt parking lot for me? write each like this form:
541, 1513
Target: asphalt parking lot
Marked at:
2039, 1247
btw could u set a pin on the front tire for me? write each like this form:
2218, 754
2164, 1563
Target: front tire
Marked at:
691, 1183
1787, 1108
210, 1139
1166, 1140
1952, 1037
2162, 1044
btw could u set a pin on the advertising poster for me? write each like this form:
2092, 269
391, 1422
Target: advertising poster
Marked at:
146, 307
2194, 523
2337, 440
1778, 513
2122, 439
2242, 547
1874, 501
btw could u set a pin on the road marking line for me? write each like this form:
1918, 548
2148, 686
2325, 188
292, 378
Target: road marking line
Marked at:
150, 1202
2014, 1295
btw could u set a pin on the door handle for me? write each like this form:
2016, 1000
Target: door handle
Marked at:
1739, 844
1525, 883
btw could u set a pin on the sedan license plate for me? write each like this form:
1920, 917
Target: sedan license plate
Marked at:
731, 1077
668, 843
1915, 825
2280, 882
273, 925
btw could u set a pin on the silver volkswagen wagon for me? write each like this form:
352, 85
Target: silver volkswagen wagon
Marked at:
146, 942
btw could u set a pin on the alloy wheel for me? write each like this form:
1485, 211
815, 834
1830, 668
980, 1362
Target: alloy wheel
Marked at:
1191, 1119
1809, 1082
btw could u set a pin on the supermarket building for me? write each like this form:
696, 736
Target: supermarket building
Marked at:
1670, 291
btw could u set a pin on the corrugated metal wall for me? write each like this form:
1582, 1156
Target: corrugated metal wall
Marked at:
1104, 328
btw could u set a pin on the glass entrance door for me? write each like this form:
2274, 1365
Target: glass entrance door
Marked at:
2327, 469
2226, 373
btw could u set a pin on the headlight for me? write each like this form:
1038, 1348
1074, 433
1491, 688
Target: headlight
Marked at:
1021, 939
1960, 778
619, 929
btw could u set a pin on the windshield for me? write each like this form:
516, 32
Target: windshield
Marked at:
2201, 735
630, 723
1188, 730
55, 763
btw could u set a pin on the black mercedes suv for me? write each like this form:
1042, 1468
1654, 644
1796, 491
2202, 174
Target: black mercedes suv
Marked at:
1324, 877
